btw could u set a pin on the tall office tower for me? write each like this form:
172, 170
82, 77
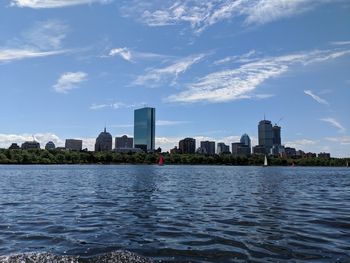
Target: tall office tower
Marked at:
104, 142
208, 147
144, 128
276, 135
124, 142
187, 145
265, 135
246, 141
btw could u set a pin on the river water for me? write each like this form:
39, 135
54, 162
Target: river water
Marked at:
178, 213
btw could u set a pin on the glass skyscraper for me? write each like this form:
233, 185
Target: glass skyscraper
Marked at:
265, 135
144, 128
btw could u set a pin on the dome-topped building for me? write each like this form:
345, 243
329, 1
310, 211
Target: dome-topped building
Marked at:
104, 142
50, 146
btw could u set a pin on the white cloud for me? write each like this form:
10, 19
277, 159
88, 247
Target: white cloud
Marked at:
240, 82
122, 52
244, 58
340, 43
132, 55
46, 34
116, 105
38, 4
42, 40
202, 14
301, 143
344, 140
7, 55
69, 81
7, 139
156, 75
169, 123
315, 97
334, 123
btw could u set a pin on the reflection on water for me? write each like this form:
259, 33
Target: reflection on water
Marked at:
178, 213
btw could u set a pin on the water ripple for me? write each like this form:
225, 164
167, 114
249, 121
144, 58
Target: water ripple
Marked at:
177, 213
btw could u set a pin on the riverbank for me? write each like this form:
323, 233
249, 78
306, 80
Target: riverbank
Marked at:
86, 157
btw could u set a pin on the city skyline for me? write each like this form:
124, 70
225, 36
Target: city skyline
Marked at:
69, 69
269, 141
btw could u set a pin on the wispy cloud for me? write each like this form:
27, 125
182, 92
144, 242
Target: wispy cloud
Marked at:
155, 76
69, 81
42, 40
344, 140
39, 4
116, 105
7, 55
170, 123
333, 122
133, 56
122, 52
244, 58
45, 35
202, 14
315, 97
340, 43
240, 82
301, 143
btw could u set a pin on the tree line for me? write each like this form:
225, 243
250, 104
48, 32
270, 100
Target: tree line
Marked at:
85, 157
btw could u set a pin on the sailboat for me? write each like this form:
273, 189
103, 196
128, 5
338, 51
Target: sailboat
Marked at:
161, 160
265, 162
347, 164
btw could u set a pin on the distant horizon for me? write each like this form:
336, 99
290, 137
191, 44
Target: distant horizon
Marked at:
212, 69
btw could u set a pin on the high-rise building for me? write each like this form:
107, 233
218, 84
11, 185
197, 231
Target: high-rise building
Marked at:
124, 142
208, 147
104, 142
187, 145
276, 130
30, 145
222, 148
245, 140
74, 145
144, 128
265, 135
50, 146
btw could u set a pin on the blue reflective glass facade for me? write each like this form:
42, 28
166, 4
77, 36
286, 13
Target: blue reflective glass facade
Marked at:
144, 128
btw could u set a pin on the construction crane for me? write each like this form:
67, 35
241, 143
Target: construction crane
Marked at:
279, 121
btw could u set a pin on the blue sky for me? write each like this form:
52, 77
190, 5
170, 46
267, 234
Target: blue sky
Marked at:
212, 69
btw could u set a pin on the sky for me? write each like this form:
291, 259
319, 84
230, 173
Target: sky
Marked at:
212, 69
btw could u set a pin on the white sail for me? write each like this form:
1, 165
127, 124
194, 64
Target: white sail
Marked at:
265, 161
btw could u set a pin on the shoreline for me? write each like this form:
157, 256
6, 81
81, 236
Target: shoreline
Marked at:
59, 157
